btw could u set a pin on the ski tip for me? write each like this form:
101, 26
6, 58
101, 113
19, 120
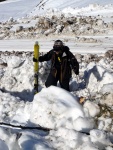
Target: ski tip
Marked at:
36, 42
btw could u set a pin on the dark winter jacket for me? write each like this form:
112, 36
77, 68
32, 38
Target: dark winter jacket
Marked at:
62, 62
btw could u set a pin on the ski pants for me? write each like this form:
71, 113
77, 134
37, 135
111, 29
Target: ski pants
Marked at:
51, 80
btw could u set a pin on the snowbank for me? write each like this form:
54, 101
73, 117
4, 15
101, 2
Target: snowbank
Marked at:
53, 105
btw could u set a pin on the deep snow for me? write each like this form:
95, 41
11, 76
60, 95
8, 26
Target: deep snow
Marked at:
86, 126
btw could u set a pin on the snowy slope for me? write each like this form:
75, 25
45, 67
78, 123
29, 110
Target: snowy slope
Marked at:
75, 3
16, 8
21, 8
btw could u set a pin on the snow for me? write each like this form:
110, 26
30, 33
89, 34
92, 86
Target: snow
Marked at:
3, 145
86, 126
67, 104
92, 108
99, 138
8, 9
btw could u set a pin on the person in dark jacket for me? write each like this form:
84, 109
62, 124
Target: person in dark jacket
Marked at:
62, 63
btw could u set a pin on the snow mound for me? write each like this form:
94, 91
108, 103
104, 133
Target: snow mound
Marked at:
97, 77
53, 106
84, 124
93, 108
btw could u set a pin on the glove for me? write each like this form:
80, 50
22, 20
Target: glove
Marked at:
35, 60
40, 59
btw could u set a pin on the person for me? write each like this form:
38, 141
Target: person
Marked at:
62, 63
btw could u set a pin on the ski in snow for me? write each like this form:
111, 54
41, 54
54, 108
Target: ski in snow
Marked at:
36, 66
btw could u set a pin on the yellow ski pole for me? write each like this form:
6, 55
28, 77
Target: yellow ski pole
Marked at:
36, 66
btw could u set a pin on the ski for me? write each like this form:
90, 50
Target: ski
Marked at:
24, 127
36, 66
